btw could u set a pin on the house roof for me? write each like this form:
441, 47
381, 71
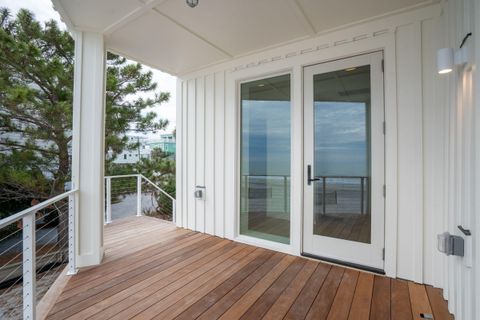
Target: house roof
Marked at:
171, 36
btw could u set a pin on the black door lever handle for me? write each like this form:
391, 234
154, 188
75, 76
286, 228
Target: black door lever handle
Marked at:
309, 174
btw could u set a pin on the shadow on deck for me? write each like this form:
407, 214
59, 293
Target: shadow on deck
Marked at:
153, 270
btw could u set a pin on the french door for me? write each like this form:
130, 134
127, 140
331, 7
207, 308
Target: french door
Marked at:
344, 161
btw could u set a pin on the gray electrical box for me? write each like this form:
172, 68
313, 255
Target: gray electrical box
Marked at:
450, 244
200, 192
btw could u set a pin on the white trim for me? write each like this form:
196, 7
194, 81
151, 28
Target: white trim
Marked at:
132, 15
179, 153
237, 180
270, 245
391, 156
302, 17
296, 171
57, 6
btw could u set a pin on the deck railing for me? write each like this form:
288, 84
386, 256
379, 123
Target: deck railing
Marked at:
256, 186
21, 249
128, 194
37, 241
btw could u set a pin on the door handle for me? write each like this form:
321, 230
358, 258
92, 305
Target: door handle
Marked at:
309, 173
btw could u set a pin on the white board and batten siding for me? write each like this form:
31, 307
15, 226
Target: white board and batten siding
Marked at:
201, 156
419, 128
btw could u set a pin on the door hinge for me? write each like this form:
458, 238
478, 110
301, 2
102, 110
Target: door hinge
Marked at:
383, 65
383, 254
384, 127
384, 191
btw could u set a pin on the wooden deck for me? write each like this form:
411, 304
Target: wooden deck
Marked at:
153, 270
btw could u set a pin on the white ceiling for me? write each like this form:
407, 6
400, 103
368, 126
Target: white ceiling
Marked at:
169, 35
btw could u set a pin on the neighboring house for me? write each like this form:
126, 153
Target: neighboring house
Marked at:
132, 156
166, 143
328, 129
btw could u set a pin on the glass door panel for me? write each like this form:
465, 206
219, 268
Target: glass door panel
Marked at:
344, 160
265, 159
341, 158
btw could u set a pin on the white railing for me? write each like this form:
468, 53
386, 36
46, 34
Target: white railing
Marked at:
125, 190
27, 223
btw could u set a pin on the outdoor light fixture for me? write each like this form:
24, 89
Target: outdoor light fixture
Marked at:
192, 3
448, 58
445, 60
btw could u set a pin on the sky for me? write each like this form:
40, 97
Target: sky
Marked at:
44, 11
340, 138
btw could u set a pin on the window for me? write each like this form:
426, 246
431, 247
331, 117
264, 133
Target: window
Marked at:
265, 159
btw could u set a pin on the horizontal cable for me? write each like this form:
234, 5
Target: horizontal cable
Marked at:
6, 264
9, 316
13, 245
11, 287
56, 209
48, 232
6, 278
11, 234
58, 239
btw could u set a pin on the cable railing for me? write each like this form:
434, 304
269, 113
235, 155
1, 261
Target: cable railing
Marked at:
36, 245
130, 194
363, 197
333, 194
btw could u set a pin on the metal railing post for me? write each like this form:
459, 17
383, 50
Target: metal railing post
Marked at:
174, 211
29, 267
367, 180
139, 195
361, 195
72, 266
108, 214
324, 199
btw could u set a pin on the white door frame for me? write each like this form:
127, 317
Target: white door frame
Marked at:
350, 252
295, 64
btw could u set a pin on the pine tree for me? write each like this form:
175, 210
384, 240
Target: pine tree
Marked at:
36, 91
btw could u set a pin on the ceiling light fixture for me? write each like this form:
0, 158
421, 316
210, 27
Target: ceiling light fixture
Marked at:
192, 3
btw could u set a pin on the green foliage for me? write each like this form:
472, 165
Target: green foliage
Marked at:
36, 91
160, 169
125, 112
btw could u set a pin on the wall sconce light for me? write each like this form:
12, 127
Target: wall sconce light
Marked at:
448, 58
445, 60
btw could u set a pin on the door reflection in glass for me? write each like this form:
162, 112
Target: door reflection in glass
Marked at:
342, 154
265, 159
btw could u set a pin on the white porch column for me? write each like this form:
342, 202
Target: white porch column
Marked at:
88, 145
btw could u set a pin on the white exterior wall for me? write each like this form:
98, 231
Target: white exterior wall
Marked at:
418, 155
462, 123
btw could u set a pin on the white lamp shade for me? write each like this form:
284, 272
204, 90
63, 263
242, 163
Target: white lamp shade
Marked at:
445, 61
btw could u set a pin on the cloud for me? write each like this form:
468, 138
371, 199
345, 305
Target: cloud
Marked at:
43, 9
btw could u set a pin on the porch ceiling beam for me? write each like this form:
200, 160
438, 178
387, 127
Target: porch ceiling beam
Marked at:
302, 17
57, 6
146, 6
198, 36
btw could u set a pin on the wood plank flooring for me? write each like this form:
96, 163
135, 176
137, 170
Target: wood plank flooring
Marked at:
153, 270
